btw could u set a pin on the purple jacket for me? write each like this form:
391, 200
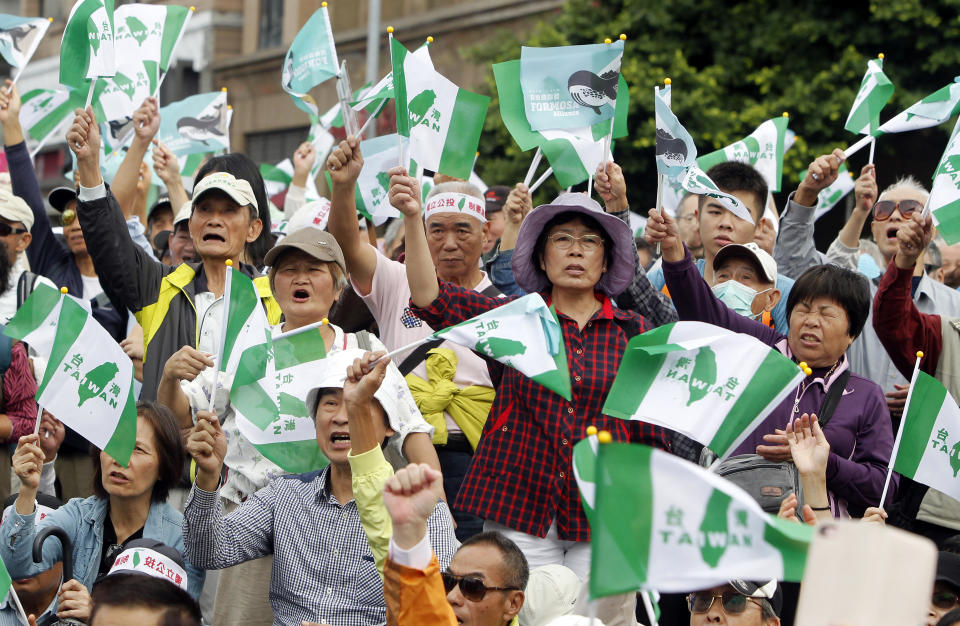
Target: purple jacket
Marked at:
860, 431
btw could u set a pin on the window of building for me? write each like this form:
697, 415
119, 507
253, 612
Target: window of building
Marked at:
271, 24
275, 145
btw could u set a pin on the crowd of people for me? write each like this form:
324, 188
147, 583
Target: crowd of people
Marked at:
450, 496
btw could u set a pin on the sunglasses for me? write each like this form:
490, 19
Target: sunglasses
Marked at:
883, 209
733, 603
6, 229
471, 587
945, 600
68, 217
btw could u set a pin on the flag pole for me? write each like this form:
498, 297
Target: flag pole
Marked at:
660, 184
903, 420
543, 178
648, 606
371, 117
93, 82
538, 155
218, 359
873, 146
590, 186
409, 346
21, 614
851, 150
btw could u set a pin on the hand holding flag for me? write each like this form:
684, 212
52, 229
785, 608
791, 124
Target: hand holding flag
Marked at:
28, 463
207, 444
404, 192
345, 163
84, 140
146, 120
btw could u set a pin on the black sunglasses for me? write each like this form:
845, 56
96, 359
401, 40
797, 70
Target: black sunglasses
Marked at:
945, 600
6, 229
471, 587
733, 603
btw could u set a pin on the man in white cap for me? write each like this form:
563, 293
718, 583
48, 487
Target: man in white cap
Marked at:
181, 306
745, 279
16, 220
737, 603
457, 231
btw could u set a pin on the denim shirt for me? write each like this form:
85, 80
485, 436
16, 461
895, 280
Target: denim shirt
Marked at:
82, 519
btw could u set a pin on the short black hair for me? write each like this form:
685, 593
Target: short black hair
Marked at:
139, 590
170, 452
565, 218
847, 288
734, 176
240, 166
516, 572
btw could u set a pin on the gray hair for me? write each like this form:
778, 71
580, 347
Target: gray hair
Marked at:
908, 183
456, 186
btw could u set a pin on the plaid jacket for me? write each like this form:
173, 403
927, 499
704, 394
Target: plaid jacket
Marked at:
522, 475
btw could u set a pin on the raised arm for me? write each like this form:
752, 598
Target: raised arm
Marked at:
421, 274
146, 121
865, 193
167, 168
691, 295
212, 540
519, 203
344, 165
303, 159
902, 329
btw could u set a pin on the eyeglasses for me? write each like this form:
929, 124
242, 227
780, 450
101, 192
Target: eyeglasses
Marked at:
6, 229
564, 241
883, 209
733, 603
471, 587
945, 600
68, 217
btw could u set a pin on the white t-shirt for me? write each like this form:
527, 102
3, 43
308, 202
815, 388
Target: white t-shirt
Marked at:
91, 287
389, 302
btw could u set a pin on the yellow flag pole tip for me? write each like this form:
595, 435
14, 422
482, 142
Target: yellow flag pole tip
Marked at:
803, 365
785, 114
228, 263
608, 40
604, 436
430, 39
323, 4
808, 371
880, 56
623, 37
919, 354
64, 290
667, 81
193, 9
51, 19
591, 431
390, 29
224, 89
229, 107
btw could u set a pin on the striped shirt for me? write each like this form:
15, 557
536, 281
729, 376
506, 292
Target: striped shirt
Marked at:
323, 569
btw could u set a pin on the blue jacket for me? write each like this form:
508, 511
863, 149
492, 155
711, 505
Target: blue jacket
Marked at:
82, 519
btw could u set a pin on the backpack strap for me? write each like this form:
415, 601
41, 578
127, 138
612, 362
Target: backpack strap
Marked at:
25, 284
832, 398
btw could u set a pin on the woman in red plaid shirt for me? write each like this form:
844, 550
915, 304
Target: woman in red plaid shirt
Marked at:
521, 480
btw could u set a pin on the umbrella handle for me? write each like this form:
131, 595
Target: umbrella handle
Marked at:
64, 542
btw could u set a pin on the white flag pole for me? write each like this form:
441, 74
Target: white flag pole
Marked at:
873, 146
538, 155
36, 427
850, 151
371, 117
21, 614
218, 359
93, 83
660, 184
543, 178
903, 419
590, 186
409, 346
648, 606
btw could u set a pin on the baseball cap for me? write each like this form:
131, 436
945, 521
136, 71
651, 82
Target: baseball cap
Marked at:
948, 569
238, 189
751, 251
60, 196
317, 243
14, 209
162, 202
769, 590
183, 214
495, 198
149, 557
551, 592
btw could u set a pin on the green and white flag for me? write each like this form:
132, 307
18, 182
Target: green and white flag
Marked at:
19, 38
762, 149
933, 110
663, 523
585, 473
370, 97
875, 91
835, 192
713, 385
929, 450
269, 393
276, 178
310, 61
696, 181
676, 151
523, 334
373, 184
442, 121
87, 47
146, 36
944, 200
570, 86
46, 113
574, 154
197, 124
88, 381
245, 339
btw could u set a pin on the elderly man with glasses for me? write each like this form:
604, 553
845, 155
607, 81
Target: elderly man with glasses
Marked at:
737, 603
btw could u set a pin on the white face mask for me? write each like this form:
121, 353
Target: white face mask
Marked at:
738, 297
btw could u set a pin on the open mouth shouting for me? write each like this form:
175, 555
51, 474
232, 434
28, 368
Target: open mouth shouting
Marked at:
301, 295
340, 440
